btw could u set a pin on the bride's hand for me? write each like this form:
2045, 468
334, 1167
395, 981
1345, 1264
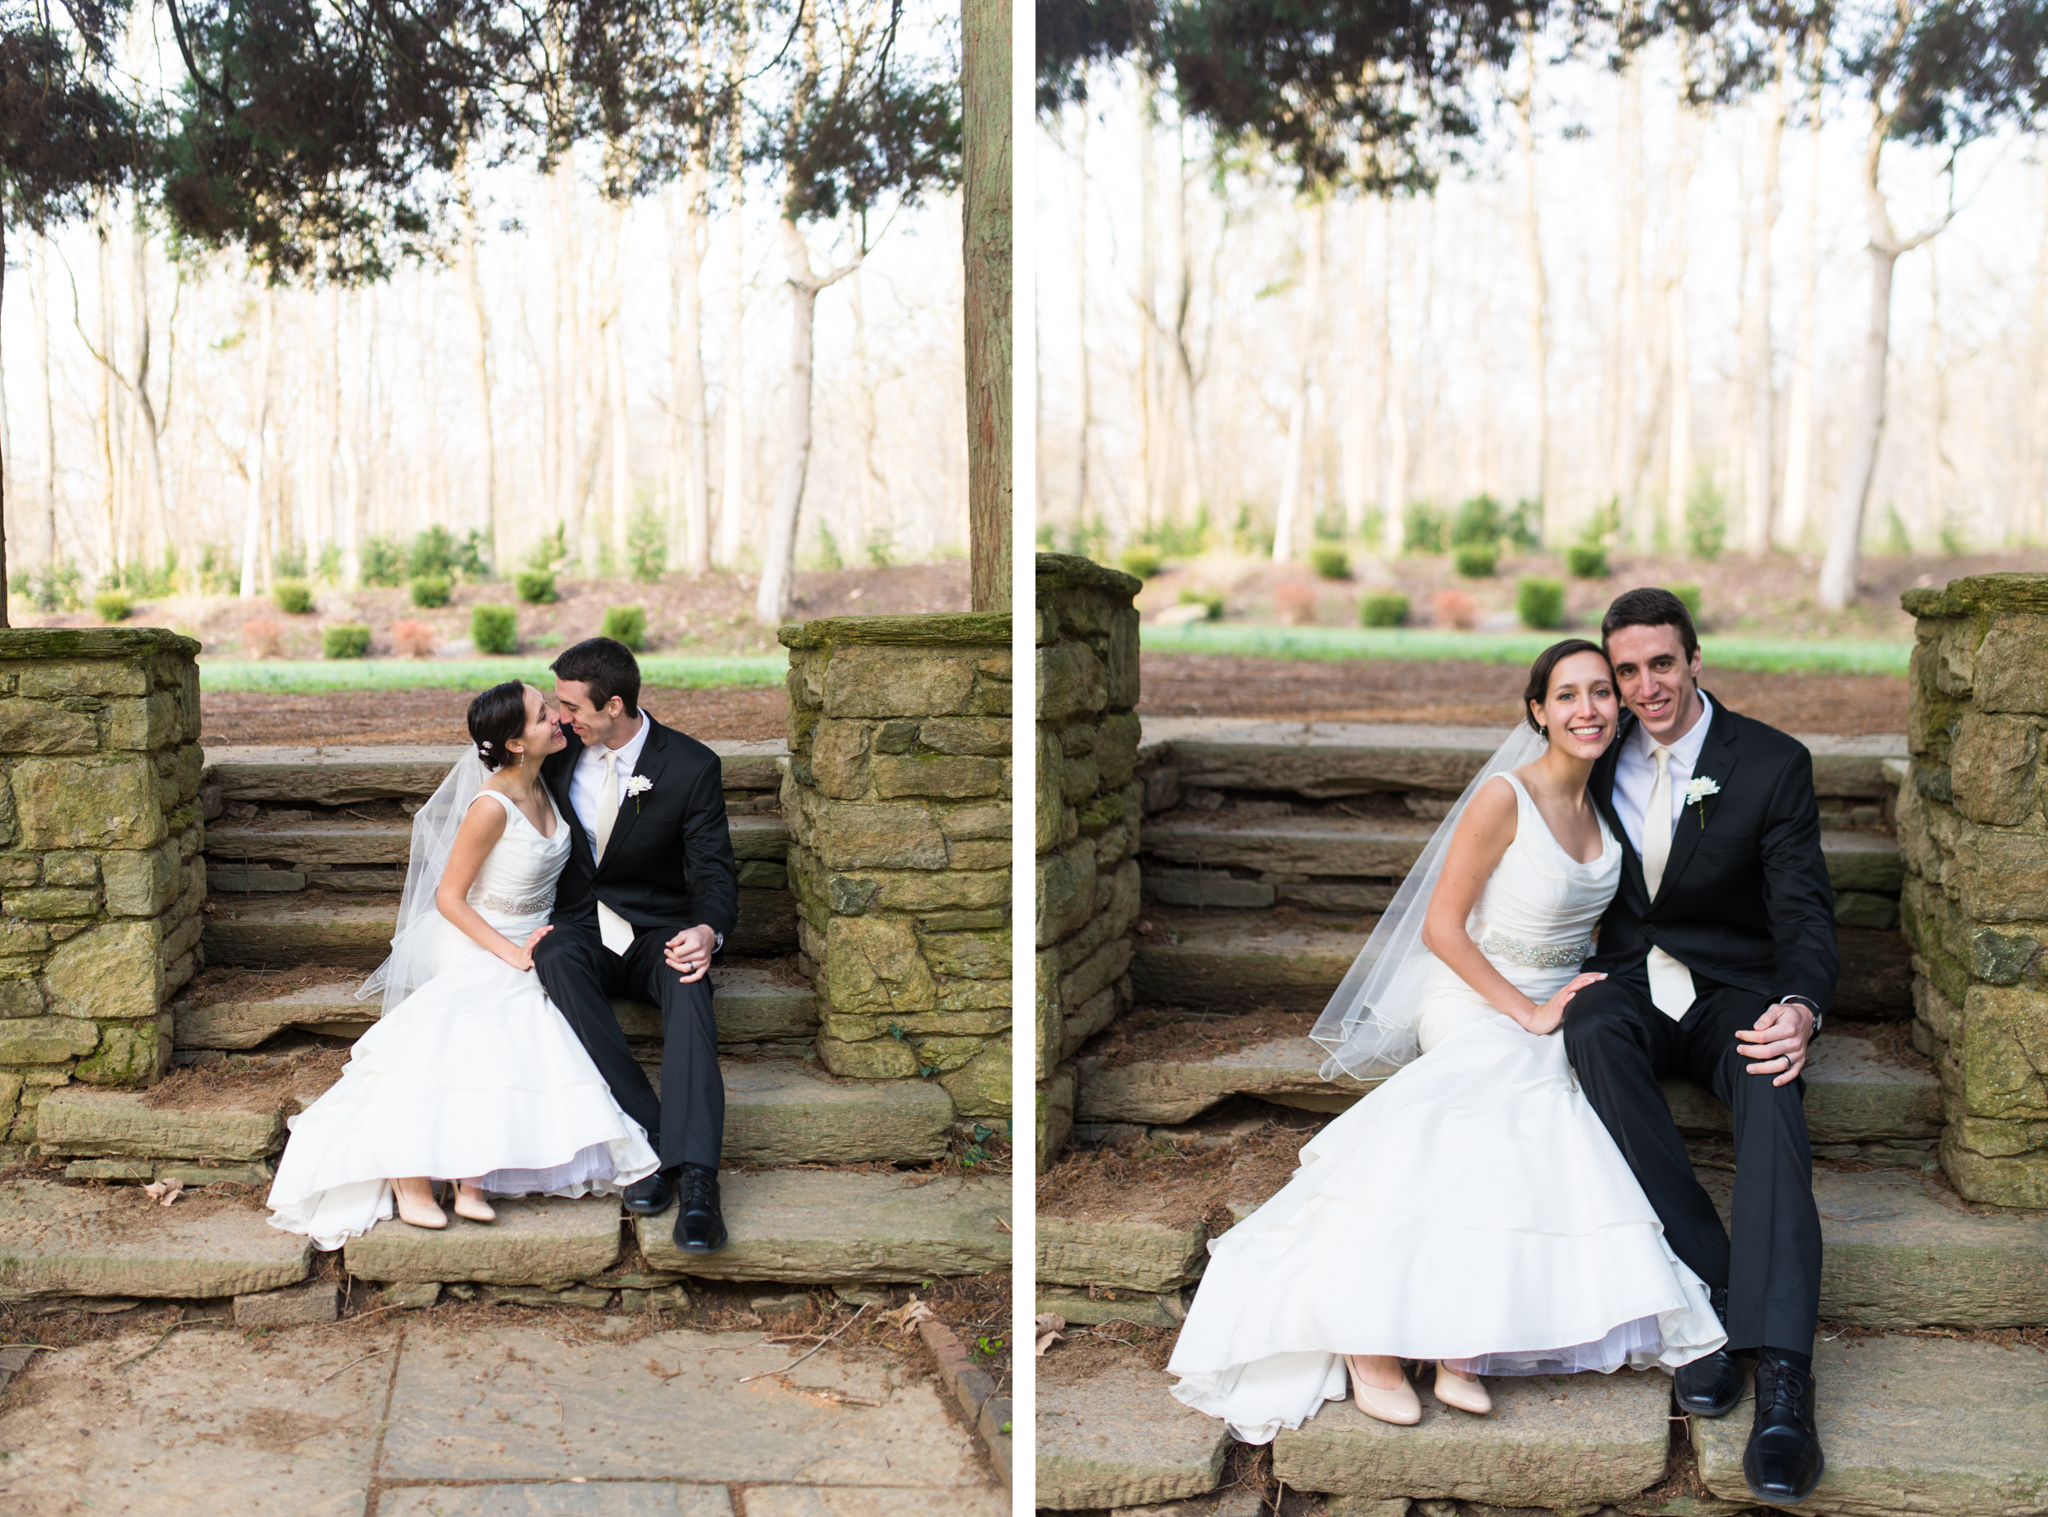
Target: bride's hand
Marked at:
1548, 1017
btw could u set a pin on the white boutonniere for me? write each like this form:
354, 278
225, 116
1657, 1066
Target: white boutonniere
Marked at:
640, 784
1696, 794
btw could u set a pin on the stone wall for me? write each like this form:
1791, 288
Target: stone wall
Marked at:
101, 883
1975, 838
898, 804
1088, 811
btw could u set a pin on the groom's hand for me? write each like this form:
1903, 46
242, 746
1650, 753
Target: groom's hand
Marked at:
689, 952
1778, 1041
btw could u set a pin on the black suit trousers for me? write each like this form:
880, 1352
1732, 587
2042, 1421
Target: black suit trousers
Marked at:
686, 1124
1620, 1046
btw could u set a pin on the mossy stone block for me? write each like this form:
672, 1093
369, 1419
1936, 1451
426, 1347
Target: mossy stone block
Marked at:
63, 803
114, 970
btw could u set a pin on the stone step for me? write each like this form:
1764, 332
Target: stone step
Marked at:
778, 1111
754, 1004
537, 1241
1232, 961
341, 776
354, 932
1853, 1094
764, 838
63, 1240
846, 1227
1328, 760
1897, 1251
1563, 1442
1911, 1427
1116, 1438
1387, 849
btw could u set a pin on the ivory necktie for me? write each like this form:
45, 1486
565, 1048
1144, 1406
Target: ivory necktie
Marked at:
614, 930
1670, 981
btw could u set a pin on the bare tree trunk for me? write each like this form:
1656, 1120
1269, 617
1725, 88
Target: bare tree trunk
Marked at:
732, 505
49, 492
1840, 567
1755, 411
615, 387
480, 362
252, 509
985, 239
1084, 393
1401, 345
1529, 232
776, 597
1684, 158
871, 499
689, 420
1623, 477
1797, 506
1365, 377
352, 442
1148, 303
1288, 538
1181, 398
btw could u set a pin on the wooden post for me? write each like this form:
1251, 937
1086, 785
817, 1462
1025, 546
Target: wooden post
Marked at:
986, 248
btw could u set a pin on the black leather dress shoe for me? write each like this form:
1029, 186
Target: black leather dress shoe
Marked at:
1711, 1385
700, 1227
1783, 1462
651, 1195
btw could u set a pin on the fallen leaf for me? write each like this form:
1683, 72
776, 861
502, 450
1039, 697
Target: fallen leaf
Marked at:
164, 1192
1050, 1322
1046, 1341
910, 1314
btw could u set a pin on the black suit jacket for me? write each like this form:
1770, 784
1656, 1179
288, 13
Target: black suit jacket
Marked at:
1745, 898
670, 860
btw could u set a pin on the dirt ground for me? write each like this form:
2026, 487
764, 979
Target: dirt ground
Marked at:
1483, 695
1440, 694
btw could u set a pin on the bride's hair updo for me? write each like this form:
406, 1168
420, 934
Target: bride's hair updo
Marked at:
498, 717
1538, 690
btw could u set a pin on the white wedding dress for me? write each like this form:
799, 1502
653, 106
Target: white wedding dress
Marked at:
475, 1076
1473, 1208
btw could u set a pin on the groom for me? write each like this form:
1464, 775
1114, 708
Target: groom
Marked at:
1720, 956
643, 908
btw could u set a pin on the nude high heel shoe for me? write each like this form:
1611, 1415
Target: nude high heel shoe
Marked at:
1401, 1407
1466, 1393
415, 1212
470, 1204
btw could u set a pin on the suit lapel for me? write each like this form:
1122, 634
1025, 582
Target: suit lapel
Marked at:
1602, 787
1716, 763
653, 757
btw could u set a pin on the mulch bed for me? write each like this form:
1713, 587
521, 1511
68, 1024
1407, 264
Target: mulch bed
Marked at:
369, 718
262, 1082
1178, 1185
1459, 694
1148, 1034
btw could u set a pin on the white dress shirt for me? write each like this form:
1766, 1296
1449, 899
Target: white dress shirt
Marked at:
1635, 772
587, 780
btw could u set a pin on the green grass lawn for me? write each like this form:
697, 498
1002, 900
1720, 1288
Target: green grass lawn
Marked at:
311, 676
1336, 644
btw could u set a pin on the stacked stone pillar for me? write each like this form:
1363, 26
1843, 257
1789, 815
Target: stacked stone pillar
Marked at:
101, 883
1974, 832
1088, 811
898, 805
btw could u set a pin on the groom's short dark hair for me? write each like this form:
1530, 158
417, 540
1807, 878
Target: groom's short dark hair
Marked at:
604, 667
1650, 607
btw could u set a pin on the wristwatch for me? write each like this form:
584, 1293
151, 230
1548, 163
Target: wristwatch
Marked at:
1807, 1002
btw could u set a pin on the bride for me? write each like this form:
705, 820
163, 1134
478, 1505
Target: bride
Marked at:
1473, 1210
470, 1075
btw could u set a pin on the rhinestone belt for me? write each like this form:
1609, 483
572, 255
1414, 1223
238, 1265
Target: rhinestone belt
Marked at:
1534, 955
506, 906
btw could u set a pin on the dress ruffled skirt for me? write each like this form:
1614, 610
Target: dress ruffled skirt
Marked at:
477, 1077
1473, 1208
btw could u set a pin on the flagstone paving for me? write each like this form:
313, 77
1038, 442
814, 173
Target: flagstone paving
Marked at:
480, 1419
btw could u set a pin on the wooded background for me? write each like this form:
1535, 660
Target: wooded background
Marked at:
1640, 294
600, 322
